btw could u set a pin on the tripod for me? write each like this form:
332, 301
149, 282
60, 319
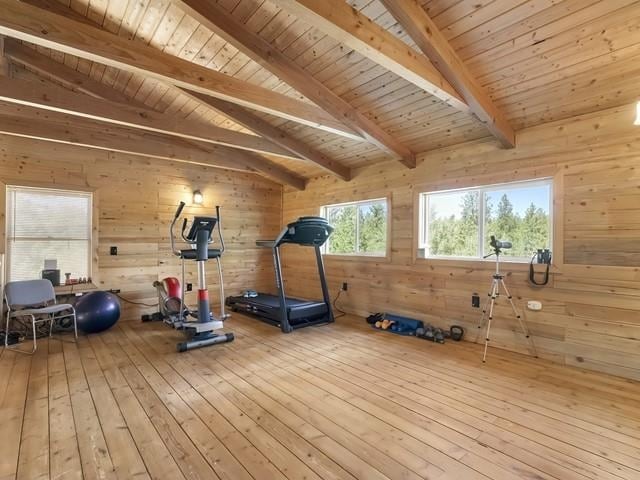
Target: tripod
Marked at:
496, 282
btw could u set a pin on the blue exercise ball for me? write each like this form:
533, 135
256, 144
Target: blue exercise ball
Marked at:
97, 311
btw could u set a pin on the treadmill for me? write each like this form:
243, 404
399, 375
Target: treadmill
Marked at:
286, 312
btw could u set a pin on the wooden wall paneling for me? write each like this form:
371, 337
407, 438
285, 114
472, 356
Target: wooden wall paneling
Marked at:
136, 199
591, 306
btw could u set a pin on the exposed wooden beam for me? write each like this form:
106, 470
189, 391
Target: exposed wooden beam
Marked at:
213, 16
62, 128
256, 124
61, 73
344, 23
417, 23
58, 8
4, 62
33, 24
70, 78
288, 147
61, 100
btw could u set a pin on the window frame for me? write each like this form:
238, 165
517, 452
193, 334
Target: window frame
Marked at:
62, 189
358, 255
422, 224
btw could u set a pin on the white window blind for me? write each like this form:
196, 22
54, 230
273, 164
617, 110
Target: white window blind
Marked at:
48, 224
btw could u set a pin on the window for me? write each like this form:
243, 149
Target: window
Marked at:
459, 223
46, 224
360, 228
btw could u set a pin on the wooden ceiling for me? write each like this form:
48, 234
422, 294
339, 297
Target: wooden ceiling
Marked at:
538, 60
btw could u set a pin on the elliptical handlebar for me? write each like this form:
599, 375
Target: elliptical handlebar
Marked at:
173, 222
184, 227
179, 210
176, 251
220, 228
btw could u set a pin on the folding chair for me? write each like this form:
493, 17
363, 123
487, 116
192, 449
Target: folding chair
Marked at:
35, 299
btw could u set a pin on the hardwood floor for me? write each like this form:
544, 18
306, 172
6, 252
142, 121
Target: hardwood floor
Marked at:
332, 402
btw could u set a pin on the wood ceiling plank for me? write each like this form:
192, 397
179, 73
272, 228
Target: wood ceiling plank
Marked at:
112, 138
62, 128
226, 26
61, 100
42, 27
351, 28
280, 137
69, 77
431, 41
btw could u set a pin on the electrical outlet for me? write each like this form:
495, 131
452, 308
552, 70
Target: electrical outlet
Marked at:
345, 286
113, 251
189, 287
475, 300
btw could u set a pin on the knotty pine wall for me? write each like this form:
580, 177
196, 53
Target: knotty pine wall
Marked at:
135, 199
591, 308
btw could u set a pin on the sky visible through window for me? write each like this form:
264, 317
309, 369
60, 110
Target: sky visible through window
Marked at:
449, 204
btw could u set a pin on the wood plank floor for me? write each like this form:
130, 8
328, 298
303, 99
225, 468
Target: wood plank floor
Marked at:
333, 402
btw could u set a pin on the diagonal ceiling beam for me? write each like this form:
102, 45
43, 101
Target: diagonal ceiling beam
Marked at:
60, 73
244, 117
61, 100
35, 25
417, 23
70, 78
211, 15
277, 144
4, 62
344, 23
137, 143
62, 128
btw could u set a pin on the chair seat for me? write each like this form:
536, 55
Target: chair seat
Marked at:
60, 307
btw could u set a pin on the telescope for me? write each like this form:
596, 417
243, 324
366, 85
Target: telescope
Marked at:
498, 246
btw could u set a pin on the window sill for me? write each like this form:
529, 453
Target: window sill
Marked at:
357, 258
484, 264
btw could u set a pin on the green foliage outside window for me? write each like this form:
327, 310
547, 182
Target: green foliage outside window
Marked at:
454, 222
359, 229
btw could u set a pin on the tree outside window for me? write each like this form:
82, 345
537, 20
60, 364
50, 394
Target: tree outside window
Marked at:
360, 228
459, 224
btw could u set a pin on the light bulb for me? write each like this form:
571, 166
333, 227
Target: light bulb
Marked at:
637, 120
198, 198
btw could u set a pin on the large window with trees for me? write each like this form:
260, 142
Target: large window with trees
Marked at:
459, 223
360, 228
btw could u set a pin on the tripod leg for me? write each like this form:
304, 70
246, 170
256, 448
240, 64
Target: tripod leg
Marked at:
486, 340
523, 327
494, 294
484, 312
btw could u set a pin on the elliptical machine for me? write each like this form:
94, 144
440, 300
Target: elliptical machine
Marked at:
200, 331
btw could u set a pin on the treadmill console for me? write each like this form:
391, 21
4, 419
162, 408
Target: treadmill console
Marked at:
308, 231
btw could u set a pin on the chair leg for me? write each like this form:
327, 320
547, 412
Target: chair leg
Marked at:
33, 326
6, 331
75, 325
